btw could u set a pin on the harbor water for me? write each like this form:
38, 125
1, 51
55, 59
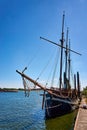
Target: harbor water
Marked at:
18, 112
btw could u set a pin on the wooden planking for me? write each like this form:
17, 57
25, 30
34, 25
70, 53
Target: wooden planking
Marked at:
81, 120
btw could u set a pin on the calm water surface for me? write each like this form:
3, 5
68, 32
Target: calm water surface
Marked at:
18, 112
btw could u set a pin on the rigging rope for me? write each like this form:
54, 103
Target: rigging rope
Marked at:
32, 58
49, 79
43, 70
72, 75
55, 68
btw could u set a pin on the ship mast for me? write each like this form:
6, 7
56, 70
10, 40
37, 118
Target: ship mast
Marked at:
69, 64
66, 56
66, 51
61, 58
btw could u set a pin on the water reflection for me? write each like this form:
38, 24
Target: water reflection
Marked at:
64, 122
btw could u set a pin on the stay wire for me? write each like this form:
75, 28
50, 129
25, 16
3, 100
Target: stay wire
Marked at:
50, 75
45, 67
55, 67
33, 57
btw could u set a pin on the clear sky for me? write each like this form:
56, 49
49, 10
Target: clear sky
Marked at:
22, 22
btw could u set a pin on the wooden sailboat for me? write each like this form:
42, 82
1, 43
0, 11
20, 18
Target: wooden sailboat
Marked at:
60, 100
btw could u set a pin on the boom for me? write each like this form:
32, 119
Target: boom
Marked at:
38, 84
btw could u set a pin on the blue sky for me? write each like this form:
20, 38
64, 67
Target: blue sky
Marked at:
22, 22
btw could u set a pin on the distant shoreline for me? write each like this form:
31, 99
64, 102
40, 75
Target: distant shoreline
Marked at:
15, 90
8, 90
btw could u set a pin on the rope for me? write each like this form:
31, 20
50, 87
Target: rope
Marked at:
55, 68
48, 62
33, 57
44, 69
72, 75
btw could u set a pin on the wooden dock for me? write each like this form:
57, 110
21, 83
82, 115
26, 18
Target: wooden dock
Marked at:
81, 120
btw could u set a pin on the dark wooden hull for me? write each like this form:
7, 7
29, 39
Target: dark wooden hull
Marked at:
56, 107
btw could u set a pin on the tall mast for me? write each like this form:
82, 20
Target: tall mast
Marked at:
69, 64
66, 51
61, 58
66, 55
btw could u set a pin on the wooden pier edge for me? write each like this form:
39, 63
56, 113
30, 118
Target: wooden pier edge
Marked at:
81, 119
75, 126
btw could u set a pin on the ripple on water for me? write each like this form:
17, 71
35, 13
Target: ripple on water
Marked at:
18, 112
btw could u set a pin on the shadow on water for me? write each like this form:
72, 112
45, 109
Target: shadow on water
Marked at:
65, 122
